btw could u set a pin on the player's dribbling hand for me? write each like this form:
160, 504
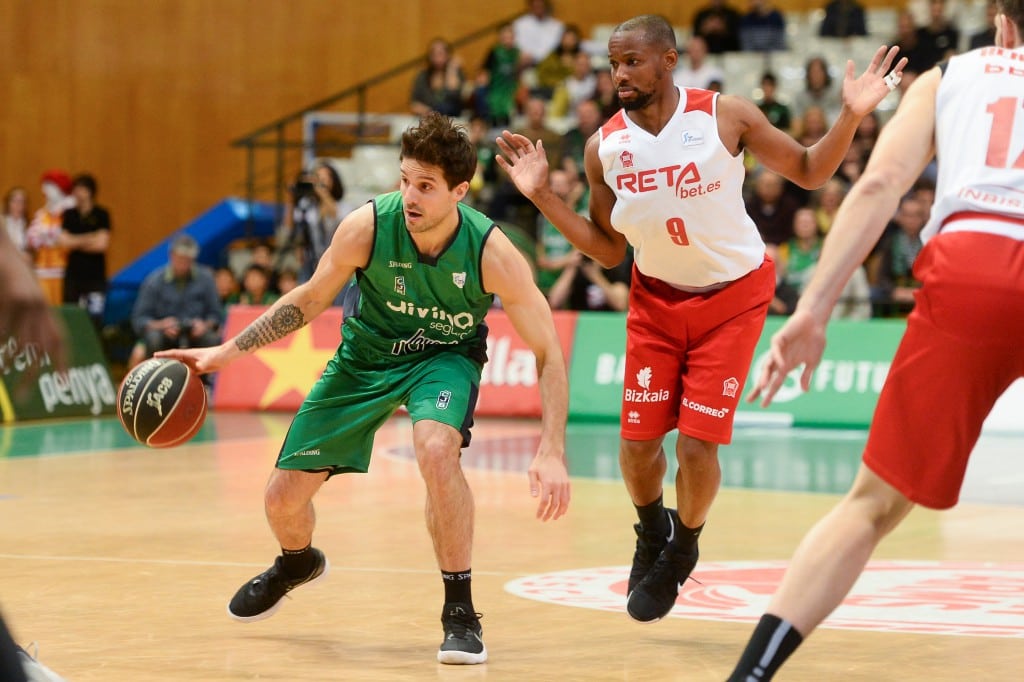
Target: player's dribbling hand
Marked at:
199, 360
525, 163
549, 481
800, 341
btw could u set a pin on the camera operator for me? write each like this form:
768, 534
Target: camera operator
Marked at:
178, 305
313, 210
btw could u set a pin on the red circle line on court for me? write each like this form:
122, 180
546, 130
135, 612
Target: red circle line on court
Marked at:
923, 597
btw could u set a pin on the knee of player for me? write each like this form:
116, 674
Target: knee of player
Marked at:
695, 452
280, 499
437, 456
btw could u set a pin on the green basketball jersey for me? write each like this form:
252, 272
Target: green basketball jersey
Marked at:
406, 306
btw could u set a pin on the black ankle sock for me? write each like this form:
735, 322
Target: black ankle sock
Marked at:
652, 516
298, 563
771, 644
458, 586
686, 537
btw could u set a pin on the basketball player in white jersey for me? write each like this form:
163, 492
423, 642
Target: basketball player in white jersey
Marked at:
666, 175
962, 347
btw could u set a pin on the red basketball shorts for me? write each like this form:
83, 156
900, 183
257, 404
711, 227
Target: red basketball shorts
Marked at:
963, 347
688, 354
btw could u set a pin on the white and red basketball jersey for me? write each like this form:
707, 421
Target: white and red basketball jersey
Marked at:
679, 196
979, 136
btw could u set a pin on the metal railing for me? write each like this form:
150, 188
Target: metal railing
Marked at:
271, 136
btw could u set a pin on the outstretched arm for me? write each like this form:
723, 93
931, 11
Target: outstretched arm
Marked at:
506, 274
527, 166
350, 248
904, 148
811, 167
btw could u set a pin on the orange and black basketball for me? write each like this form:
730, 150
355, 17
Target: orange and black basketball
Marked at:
161, 403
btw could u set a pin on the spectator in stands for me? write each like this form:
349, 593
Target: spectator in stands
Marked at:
313, 209
508, 202
578, 86
843, 18
535, 127
574, 141
481, 187
867, 133
785, 297
776, 112
554, 252
799, 253
438, 87
719, 25
811, 125
256, 289
696, 71
260, 253
558, 65
14, 219
855, 300
605, 94
819, 90
771, 208
907, 38
86, 236
585, 285
43, 236
178, 305
287, 280
498, 80
924, 191
987, 36
826, 203
763, 28
890, 267
227, 286
852, 166
537, 32
939, 38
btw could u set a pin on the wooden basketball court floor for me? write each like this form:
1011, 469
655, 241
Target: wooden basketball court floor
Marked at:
118, 561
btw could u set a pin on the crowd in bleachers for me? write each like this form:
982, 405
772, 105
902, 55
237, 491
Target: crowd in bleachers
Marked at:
549, 81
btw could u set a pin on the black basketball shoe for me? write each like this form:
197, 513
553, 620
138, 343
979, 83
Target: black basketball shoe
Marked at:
261, 597
649, 544
656, 594
462, 643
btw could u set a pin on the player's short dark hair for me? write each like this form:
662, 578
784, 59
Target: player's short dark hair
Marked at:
440, 141
656, 29
1014, 11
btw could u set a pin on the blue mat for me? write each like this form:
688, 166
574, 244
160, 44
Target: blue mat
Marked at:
227, 221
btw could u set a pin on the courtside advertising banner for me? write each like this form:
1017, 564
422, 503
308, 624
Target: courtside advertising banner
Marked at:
33, 387
508, 386
843, 391
278, 375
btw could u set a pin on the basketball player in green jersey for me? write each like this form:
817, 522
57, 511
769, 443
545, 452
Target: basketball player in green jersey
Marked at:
426, 270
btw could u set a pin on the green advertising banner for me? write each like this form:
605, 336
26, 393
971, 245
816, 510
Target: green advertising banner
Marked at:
843, 391
84, 389
845, 386
597, 365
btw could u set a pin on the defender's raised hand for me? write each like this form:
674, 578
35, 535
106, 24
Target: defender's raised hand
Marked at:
863, 94
525, 163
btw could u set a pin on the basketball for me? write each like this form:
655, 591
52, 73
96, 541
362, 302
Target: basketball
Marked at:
161, 403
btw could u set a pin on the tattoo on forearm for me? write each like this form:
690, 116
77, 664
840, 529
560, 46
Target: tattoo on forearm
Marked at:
268, 328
